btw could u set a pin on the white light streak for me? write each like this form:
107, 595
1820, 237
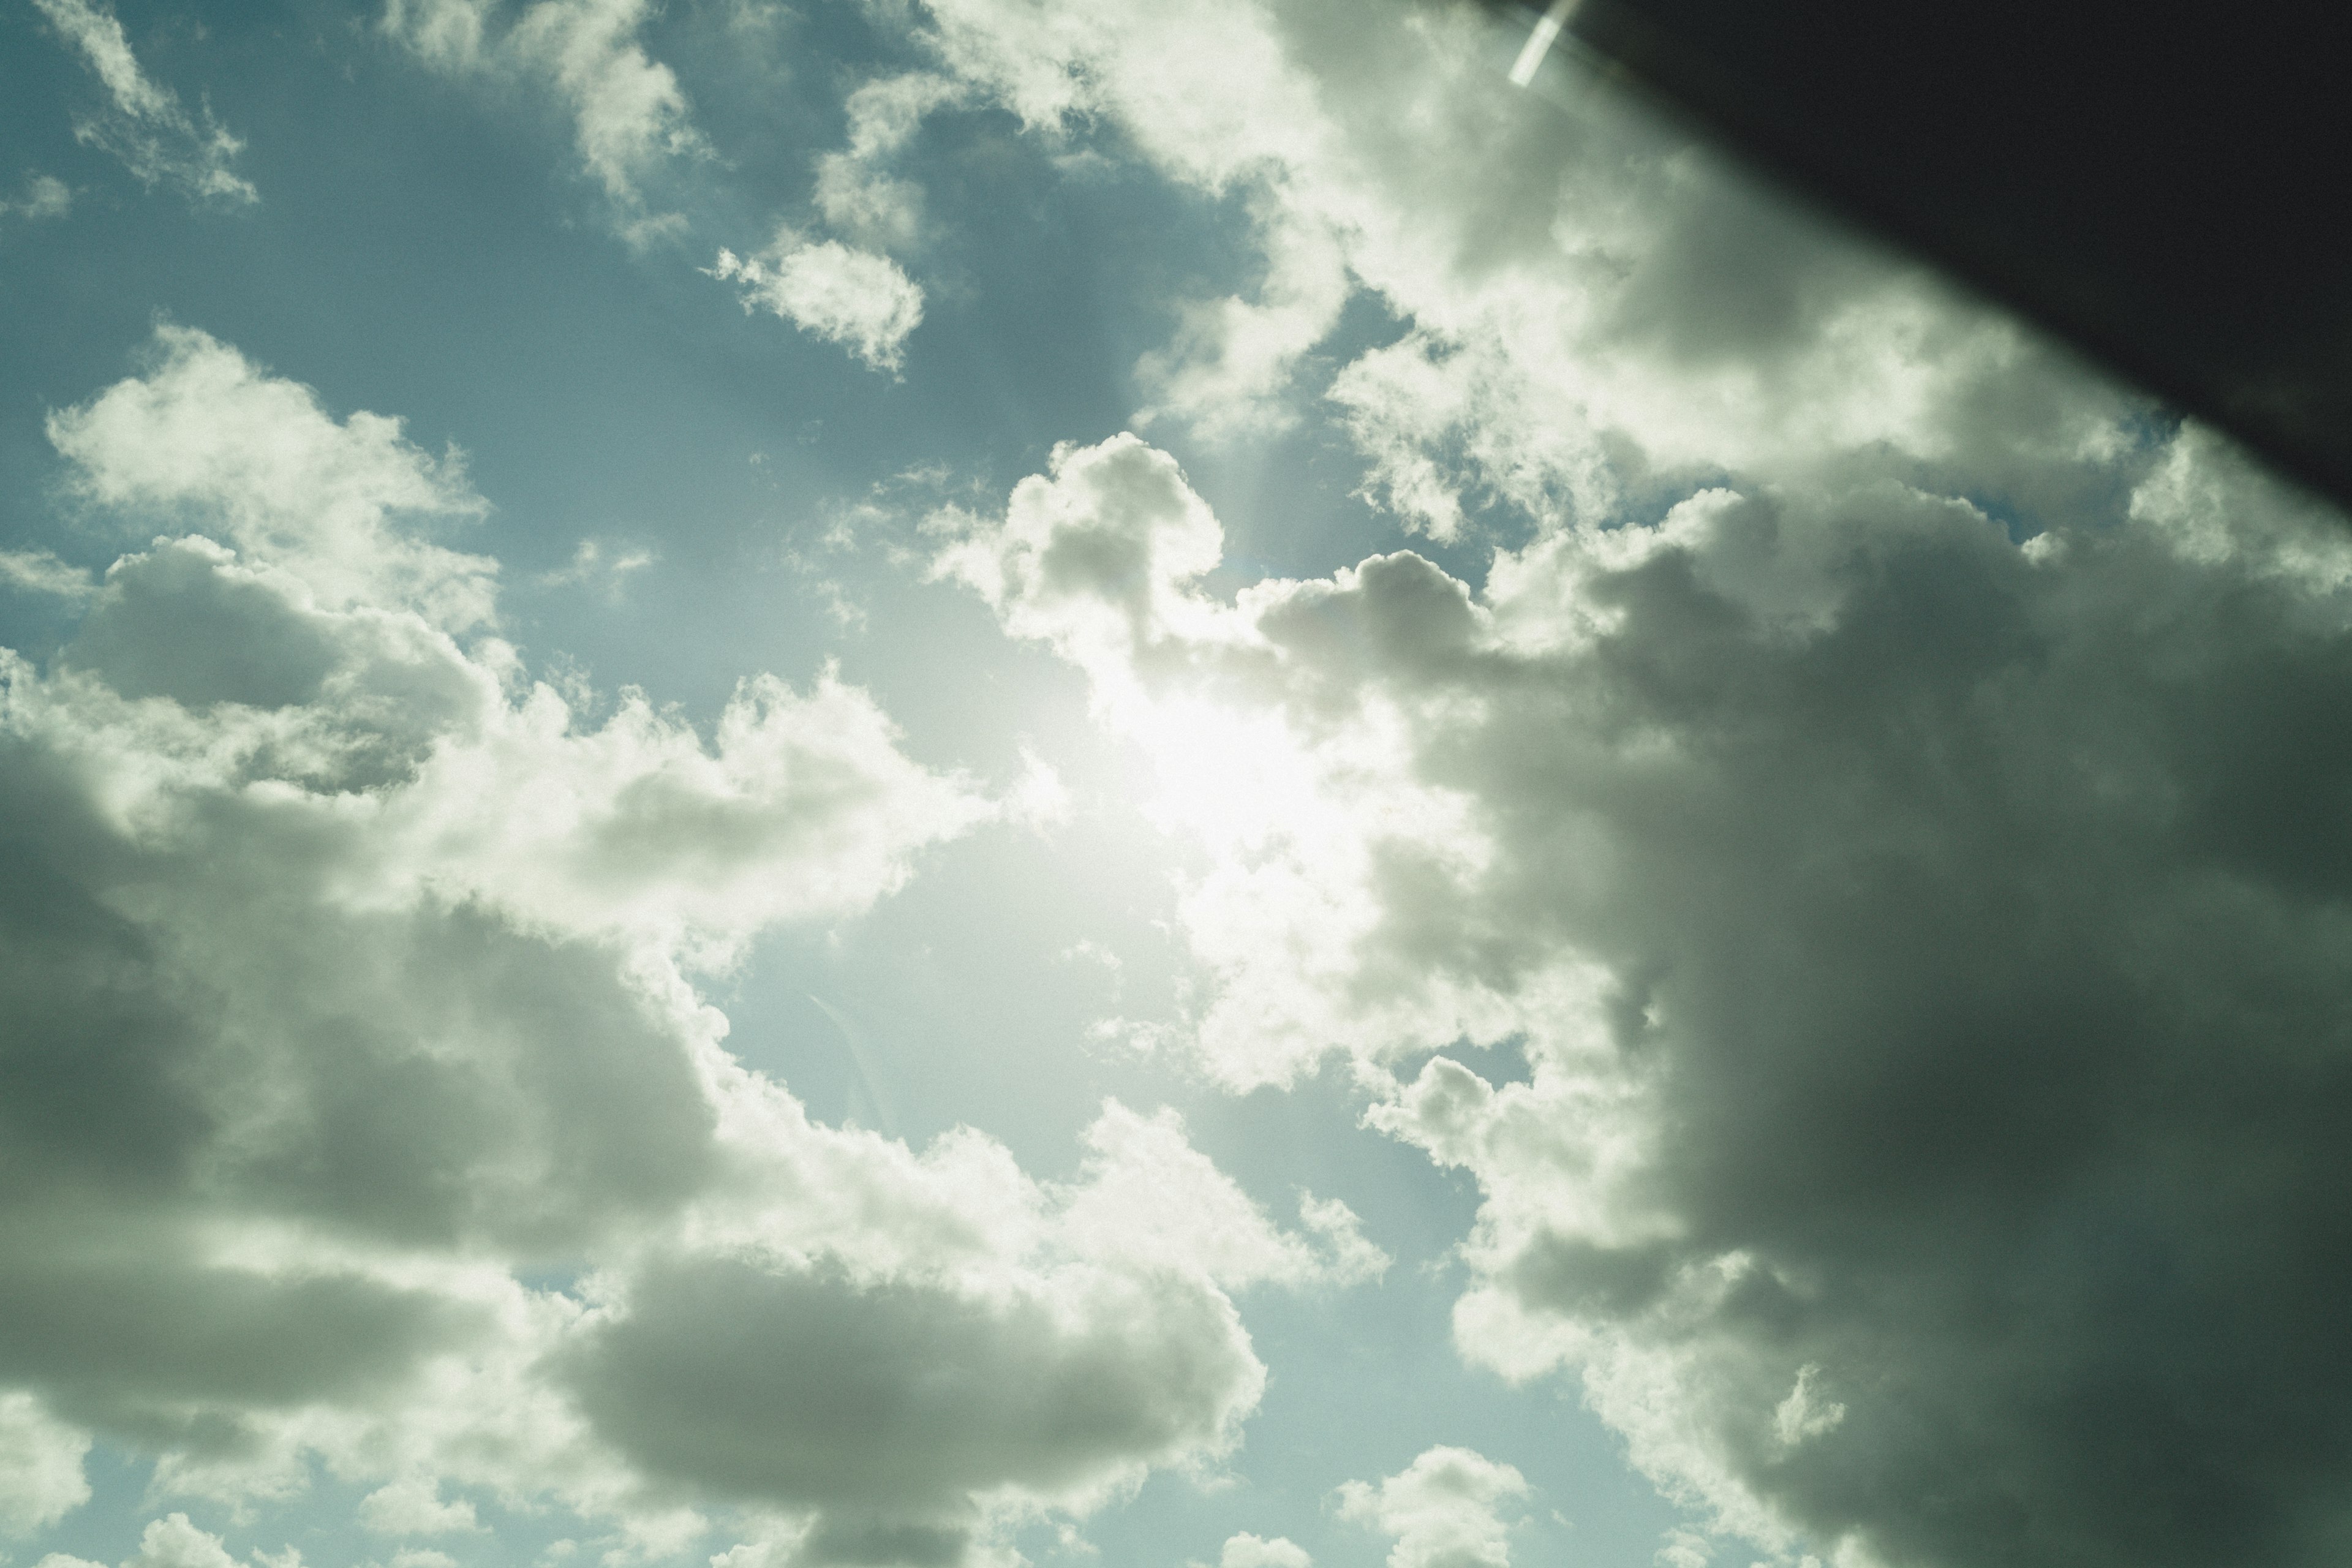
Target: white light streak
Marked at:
1539, 42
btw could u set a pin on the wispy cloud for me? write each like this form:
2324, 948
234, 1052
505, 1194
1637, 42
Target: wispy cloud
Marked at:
629, 116
147, 126
46, 197
39, 571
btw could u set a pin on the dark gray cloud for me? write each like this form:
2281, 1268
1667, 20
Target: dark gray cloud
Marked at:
890, 1404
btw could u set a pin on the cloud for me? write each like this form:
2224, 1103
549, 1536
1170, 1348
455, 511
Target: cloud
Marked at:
1211, 96
967, 1346
1592, 308
630, 118
902, 1398
46, 197
209, 441
147, 128
605, 567
1135, 1166
1923, 946
356, 980
172, 1542
1229, 371
856, 190
1247, 1551
40, 571
1442, 1510
413, 1506
40, 1465
855, 298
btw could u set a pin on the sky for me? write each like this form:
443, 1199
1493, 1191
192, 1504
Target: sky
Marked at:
951, 784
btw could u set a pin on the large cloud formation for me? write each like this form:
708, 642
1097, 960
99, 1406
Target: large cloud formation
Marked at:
1883, 783
351, 982
1927, 950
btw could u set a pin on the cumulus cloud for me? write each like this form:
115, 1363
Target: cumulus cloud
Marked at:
355, 976
629, 117
1247, 1551
172, 1542
146, 126
858, 299
1923, 946
1443, 1510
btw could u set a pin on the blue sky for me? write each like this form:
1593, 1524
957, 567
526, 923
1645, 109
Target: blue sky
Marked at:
1038, 780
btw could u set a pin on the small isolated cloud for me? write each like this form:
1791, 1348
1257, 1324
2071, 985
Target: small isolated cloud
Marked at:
858, 299
1443, 1510
1247, 1551
630, 118
46, 197
146, 126
604, 568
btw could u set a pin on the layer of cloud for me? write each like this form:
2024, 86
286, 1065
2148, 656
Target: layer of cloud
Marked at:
630, 118
858, 299
1926, 948
146, 125
1443, 1510
354, 981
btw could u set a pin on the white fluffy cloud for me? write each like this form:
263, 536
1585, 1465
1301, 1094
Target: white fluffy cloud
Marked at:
1247, 1551
353, 973
1924, 945
147, 127
858, 299
1443, 1510
629, 116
